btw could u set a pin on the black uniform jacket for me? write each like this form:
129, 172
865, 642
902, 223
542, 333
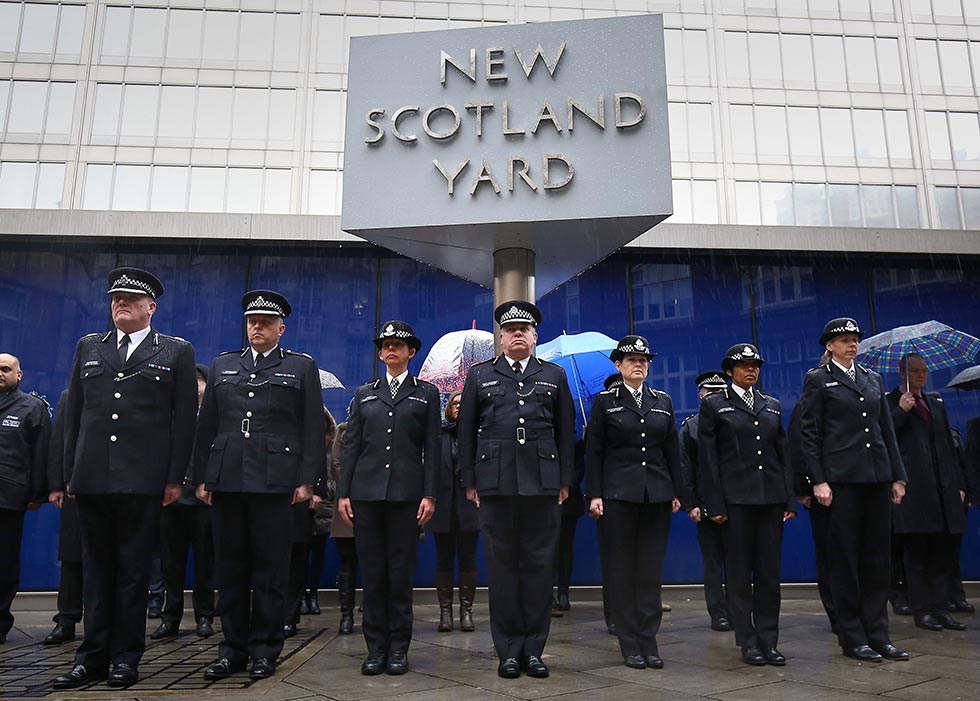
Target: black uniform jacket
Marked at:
260, 430
516, 434
689, 464
742, 454
797, 462
452, 494
846, 428
393, 446
129, 429
25, 429
633, 454
972, 460
932, 501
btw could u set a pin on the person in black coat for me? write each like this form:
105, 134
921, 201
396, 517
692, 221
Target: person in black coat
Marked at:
747, 484
388, 487
633, 481
456, 529
129, 427
955, 594
259, 449
516, 458
25, 429
853, 462
571, 511
711, 535
932, 511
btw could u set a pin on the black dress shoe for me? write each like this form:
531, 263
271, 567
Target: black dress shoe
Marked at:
948, 622
611, 628
289, 630
653, 662
634, 661
862, 653
262, 668
62, 633
314, 603
720, 623
753, 656
891, 652
397, 663
346, 623
304, 605
374, 664
123, 675
78, 676
901, 608
222, 669
154, 612
205, 629
961, 606
928, 622
536, 668
775, 658
166, 630
509, 669
563, 603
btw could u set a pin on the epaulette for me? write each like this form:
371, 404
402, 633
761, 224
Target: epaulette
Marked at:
292, 352
688, 419
768, 396
44, 400
863, 369
611, 390
93, 335
240, 351
104, 338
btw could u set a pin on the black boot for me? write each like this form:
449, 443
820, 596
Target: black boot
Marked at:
314, 603
467, 593
444, 590
304, 604
345, 592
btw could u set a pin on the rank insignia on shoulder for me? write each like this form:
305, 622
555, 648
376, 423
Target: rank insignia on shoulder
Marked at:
661, 411
284, 374
419, 399
369, 398
163, 368
614, 409
229, 372
777, 412
11, 422
546, 384
491, 383
726, 408
91, 363
830, 384
938, 399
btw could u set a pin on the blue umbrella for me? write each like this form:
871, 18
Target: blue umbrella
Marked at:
585, 358
941, 346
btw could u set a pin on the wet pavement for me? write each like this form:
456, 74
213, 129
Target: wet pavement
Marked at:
585, 661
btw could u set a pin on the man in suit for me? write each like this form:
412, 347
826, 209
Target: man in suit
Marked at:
516, 457
259, 449
25, 428
387, 490
129, 426
711, 535
932, 511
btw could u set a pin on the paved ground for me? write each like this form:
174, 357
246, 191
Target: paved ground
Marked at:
584, 659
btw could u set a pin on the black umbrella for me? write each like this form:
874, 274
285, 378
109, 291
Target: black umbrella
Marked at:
968, 379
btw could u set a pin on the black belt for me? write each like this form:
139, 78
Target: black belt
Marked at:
521, 435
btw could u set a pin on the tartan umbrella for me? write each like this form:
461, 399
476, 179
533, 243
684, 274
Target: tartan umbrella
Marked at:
941, 346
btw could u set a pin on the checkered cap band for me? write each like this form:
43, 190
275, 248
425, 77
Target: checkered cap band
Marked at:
849, 327
261, 305
390, 331
515, 313
124, 283
713, 381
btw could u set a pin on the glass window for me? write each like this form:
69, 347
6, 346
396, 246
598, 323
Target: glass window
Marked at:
220, 35
9, 26
889, 65
828, 60
823, 8
676, 115
278, 186
4, 93
207, 190
882, 9
855, 9
804, 134
701, 133
148, 28
282, 118
955, 61
177, 112
330, 42
50, 186
736, 58
862, 67
131, 189
70, 30
61, 104
682, 201
17, 184
139, 117
837, 139
777, 203
946, 10
169, 191
797, 60
811, 204
770, 129
115, 34
743, 133
325, 192
108, 100
878, 209
869, 134
928, 57
27, 107
948, 208
184, 34
975, 62
792, 8
747, 203
764, 58
98, 186
674, 52
907, 200
244, 189
704, 202
250, 119
328, 120
287, 41
970, 197
845, 206
938, 136
256, 37
695, 57
965, 136
213, 115
37, 32
897, 130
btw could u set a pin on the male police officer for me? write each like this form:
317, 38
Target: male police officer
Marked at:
25, 427
129, 426
516, 457
259, 448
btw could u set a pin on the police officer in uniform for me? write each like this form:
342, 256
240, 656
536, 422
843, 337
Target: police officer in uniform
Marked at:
259, 449
516, 456
747, 484
853, 461
129, 427
387, 488
25, 428
711, 535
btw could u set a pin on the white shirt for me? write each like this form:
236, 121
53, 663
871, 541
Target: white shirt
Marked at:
135, 339
400, 378
523, 363
255, 353
841, 366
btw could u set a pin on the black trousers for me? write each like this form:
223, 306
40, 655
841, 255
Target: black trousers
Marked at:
637, 543
755, 538
317, 555
927, 570
298, 567
69, 594
386, 534
520, 535
607, 607
12, 528
252, 541
347, 552
859, 540
712, 539
455, 545
954, 585
118, 533
565, 552
820, 530
182, 528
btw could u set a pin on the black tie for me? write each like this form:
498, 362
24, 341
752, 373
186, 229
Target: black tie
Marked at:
258, 359
123, 350
517, 367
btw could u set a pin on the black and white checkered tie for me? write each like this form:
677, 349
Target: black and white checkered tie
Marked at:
394, 388
749, 399
850, 373
638, 396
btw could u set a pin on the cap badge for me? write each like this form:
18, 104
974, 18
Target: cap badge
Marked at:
747, 352
389, 329
639, 344
850, 326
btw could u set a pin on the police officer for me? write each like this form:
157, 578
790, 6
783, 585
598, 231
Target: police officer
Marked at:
711, 535
259, 449
25, 428
129, 427
852, 459
633, 480
516, 457
387, 490
747, 484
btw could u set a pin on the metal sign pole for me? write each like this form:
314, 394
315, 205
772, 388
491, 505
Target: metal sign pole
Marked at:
513, 278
